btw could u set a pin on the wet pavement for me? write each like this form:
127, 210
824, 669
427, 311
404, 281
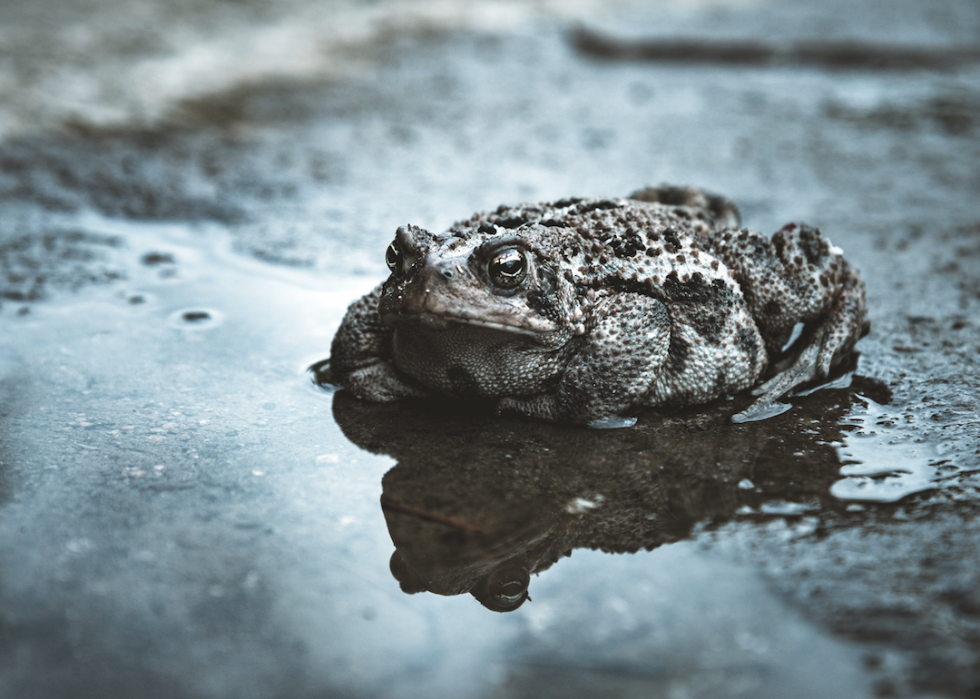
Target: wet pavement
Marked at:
191, 194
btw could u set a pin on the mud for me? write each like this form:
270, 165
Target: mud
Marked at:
190, 196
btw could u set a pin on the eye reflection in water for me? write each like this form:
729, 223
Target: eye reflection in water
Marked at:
479, 503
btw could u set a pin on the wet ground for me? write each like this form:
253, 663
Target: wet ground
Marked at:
191, 194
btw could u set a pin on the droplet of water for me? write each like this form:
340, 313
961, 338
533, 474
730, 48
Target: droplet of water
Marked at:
612, 423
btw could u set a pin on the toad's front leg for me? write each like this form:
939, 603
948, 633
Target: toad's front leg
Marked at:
360, 356
619, 359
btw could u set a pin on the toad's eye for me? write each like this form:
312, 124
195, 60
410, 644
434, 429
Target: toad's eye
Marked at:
508, 587
508, 268
394, 258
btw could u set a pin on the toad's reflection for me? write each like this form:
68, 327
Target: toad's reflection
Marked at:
479, 503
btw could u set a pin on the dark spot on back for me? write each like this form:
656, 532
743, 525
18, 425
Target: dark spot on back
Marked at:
602, 204
748, 342
511, 222
810, 242
709, 325
672, 196
697, 290
629, 286
627, 244
714, 302
720, 206
778, 242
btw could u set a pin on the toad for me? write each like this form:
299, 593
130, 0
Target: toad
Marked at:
585, 310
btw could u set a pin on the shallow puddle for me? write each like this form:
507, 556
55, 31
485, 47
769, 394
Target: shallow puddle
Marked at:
229, 518
885, 459
184, 513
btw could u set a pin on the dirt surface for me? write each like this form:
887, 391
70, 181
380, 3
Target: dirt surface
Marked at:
190, 194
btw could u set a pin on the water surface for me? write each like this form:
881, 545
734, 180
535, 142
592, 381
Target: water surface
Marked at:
190, 197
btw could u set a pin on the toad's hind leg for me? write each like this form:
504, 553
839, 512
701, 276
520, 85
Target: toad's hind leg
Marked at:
720, 212
798, 277
831, 342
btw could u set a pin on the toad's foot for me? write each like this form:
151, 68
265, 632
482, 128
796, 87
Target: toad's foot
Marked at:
831, 343
803, 369
380, 382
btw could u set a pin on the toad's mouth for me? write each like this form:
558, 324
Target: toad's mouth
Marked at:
518, 324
